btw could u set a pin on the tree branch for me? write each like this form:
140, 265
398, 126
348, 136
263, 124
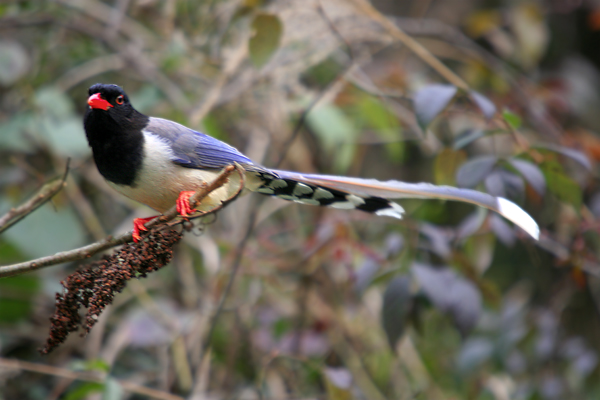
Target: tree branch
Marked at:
108, 242
45, 193
84, 376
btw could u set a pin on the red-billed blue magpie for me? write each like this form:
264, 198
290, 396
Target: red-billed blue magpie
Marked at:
159, 163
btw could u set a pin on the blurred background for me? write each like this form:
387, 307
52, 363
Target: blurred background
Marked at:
450, 303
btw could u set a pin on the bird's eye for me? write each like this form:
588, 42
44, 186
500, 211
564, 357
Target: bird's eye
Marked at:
119, 100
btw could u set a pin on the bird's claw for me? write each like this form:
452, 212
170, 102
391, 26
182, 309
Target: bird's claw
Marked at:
139, 225
183, 203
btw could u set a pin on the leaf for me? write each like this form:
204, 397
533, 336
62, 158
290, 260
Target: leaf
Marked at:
46, 231
532, 174
14, 62
513, 119
502, 183
266, 36
488, 109
504, 232
471, 223
84, 390
338, 383
474, 352
561, 185
18, 306
65, 136
446, 164
397, 304
430, 101
467, 137
336, 133
438, 239
474, 171
365, 273
451, 294
394, 244
112, 390
573, 154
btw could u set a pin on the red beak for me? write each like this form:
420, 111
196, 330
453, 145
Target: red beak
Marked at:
96, 101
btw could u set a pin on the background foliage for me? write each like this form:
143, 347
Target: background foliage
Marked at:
450, 303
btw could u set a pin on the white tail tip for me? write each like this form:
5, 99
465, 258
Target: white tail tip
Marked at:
515, 214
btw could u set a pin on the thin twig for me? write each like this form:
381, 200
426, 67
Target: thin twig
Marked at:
42, 196
109, 242
412, 44
232, 64
84, 376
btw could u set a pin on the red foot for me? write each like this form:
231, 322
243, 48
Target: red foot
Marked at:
139, 225
183, 203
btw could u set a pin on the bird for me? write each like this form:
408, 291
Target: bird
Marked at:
159, 163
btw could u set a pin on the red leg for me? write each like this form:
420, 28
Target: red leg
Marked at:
183, 203
138, 226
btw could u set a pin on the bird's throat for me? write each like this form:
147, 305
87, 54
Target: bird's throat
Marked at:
117, 148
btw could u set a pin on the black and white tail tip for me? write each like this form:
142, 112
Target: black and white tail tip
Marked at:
288, 189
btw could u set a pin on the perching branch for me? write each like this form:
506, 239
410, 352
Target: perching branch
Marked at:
46, 192
109, 242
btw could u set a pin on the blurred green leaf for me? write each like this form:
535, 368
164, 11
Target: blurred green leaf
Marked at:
565, 188
573, 154
267, 30
17, 133
54, 102
66, 136
336, 132
513, 119
430, 101
47, 231
146, 98
446, 164
97, 365
84, 390
16, 296
112, 390
385, 124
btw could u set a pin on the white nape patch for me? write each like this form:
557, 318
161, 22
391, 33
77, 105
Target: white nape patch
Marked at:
515, 214
287, 197
265, 190
277, 184
302, 190
342, 205
395, 211
310, 202
322, 194
357, 201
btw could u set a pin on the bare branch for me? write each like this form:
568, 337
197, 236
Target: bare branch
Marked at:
109, 242
43, 195
84, 376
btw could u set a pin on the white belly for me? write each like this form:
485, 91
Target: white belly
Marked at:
159, 181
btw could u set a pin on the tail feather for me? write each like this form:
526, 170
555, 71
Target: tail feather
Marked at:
307, 193
373, 196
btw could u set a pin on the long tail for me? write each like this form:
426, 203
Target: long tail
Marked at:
373, 196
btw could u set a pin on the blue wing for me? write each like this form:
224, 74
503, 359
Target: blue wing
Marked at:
194, 149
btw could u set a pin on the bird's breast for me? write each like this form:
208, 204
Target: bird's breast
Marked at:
159, 180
